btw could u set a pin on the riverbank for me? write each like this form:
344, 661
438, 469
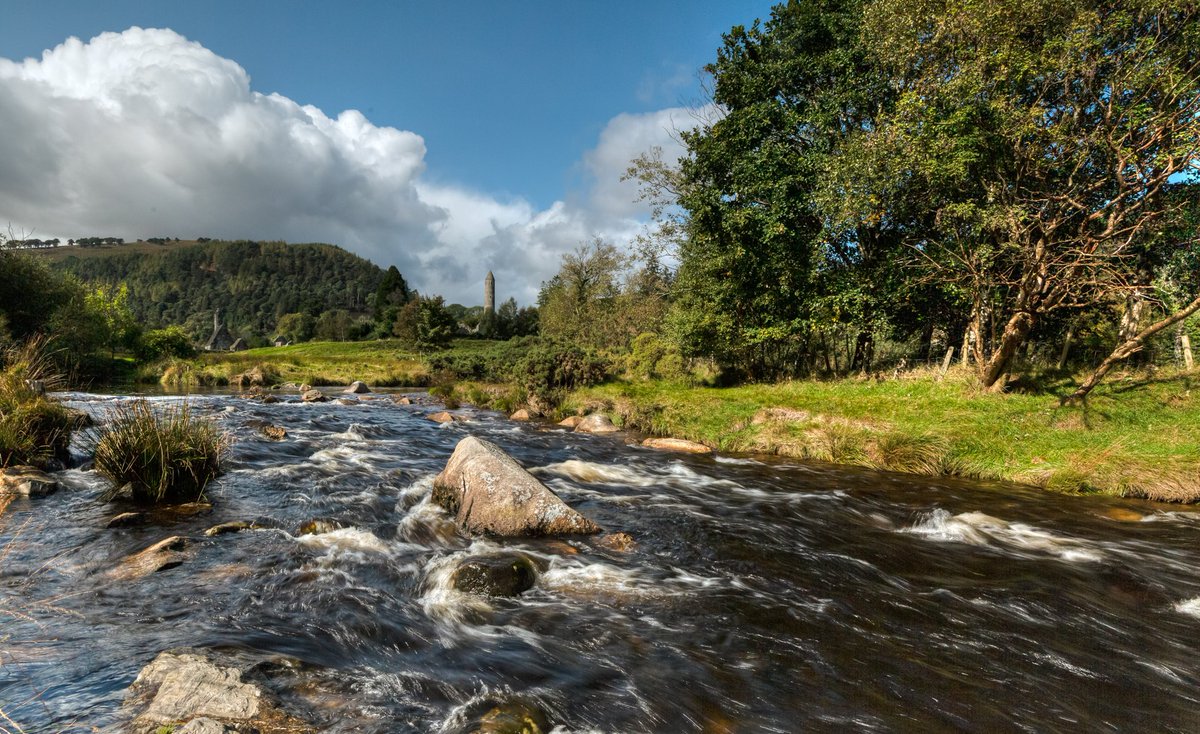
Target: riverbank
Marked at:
1137, 436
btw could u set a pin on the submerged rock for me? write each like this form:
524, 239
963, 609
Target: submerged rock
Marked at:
490, 493
620, 542
346, 401
677, 444
402, 400
193, 686
165, 554
26, 481
445, 416
596, 423
225, 528
508, 717
503, 574
358, 387
127, 520
318, 525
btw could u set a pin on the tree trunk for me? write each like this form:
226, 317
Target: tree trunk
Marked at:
1015, 332
863, 346
1128, 348
1186, 342
1066, 347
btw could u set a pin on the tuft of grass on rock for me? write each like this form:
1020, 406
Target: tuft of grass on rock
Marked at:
166, 455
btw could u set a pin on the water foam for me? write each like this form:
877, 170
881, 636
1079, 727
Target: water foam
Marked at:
977, 528
1190, 607
345, 540
593, 473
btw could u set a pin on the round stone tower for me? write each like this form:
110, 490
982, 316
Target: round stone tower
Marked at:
489, 293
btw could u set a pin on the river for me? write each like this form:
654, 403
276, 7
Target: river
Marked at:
762, 595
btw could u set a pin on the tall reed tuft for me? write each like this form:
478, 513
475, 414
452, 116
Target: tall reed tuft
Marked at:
34, 429
165, 456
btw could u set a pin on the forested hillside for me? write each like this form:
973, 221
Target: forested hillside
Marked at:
253, 282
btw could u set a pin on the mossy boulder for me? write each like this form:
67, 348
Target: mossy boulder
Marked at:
502, 574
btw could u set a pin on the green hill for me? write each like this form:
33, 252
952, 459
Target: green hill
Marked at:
253, 282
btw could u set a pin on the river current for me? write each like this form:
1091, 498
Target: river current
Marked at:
761, 596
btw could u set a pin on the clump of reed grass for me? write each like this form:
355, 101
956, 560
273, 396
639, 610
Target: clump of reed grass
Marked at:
163, 456
911, 454
34, 429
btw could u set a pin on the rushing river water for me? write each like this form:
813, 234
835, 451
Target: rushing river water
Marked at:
762, 596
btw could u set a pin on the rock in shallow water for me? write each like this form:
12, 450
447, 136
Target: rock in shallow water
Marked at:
195, 687
165, 554
489, 492
313, 396
26, 481
677, 444
358, 387
229, 527
502, 574
596, 423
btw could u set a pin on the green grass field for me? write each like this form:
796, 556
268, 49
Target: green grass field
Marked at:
1136, 435
385, 363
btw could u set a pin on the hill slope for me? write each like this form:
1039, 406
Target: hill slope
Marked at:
253, 282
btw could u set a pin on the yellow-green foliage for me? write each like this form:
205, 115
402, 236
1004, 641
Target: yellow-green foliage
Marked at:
163, 455
33, 427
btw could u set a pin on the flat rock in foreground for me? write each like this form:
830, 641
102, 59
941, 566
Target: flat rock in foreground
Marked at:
191, 686
491, 493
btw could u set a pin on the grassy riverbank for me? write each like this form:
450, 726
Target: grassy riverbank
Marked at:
383, 363
1136, 436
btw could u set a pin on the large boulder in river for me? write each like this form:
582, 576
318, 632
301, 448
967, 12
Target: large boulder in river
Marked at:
596, 423
491, 493
358, 387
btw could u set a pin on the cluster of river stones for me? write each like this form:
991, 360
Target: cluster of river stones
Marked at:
488, 493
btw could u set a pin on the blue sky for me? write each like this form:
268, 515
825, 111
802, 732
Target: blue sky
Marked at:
508, 96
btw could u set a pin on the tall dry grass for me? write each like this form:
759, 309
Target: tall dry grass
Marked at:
34, 428
163, 455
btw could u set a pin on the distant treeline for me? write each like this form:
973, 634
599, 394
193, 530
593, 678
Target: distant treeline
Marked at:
254, 283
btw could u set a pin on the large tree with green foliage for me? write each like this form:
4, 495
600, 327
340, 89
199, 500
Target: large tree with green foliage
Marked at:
761, 272
1040, 137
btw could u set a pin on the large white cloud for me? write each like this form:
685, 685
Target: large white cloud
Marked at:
144, 133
